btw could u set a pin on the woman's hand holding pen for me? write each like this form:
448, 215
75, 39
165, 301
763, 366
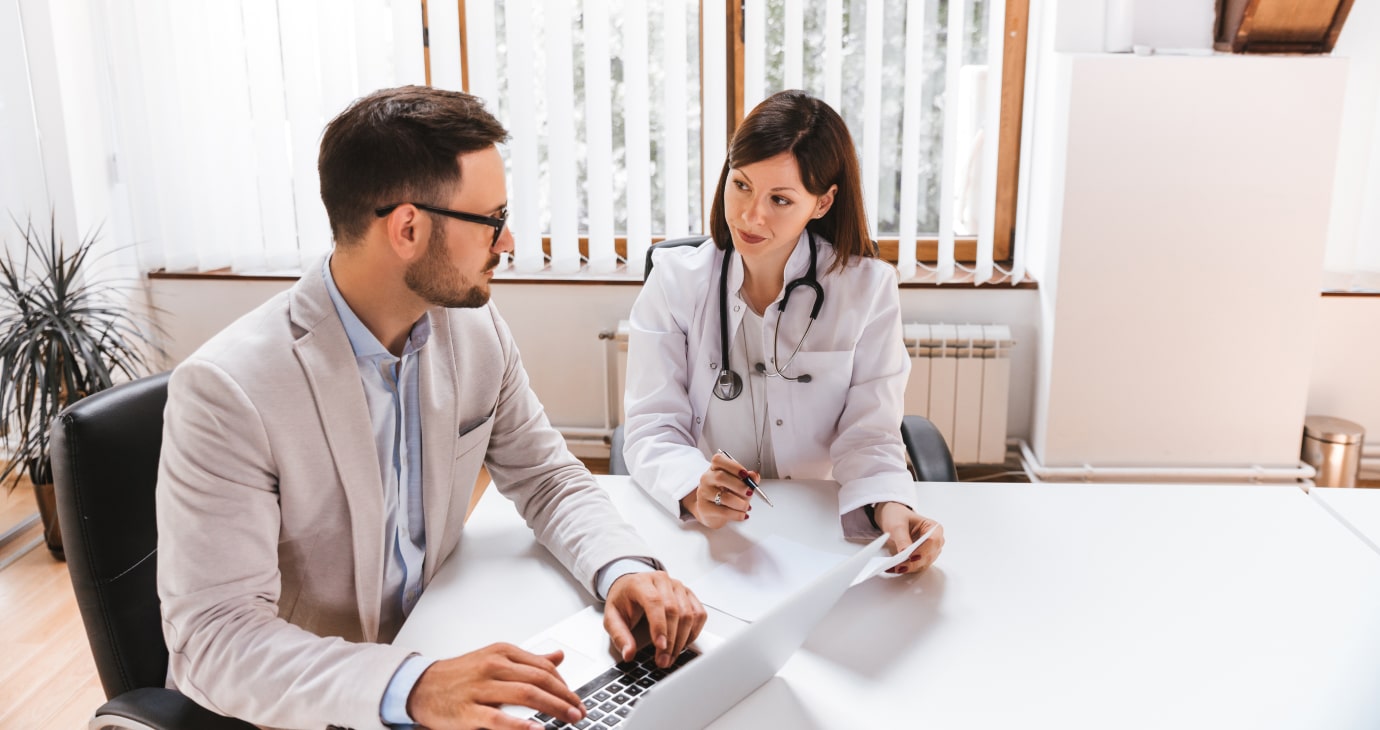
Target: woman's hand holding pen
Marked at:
721, 496
904, 527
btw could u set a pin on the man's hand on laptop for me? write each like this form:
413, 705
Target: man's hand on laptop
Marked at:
465, 692
674, 615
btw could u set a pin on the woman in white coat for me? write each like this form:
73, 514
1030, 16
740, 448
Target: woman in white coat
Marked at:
778, 341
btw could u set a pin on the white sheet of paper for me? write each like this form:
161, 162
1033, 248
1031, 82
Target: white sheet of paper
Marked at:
877, 566
757, 579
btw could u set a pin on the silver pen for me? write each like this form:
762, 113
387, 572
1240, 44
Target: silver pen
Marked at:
747, 479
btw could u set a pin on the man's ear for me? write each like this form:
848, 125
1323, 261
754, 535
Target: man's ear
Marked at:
408, 232
825, 202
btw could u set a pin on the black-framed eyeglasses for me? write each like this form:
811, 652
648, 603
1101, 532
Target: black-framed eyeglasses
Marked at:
496, 223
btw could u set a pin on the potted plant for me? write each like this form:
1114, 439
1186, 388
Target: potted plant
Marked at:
63, 336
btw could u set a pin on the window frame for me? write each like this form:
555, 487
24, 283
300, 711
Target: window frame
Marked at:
926, 247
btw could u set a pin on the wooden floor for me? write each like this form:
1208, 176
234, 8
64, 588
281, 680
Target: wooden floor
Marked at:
47, 678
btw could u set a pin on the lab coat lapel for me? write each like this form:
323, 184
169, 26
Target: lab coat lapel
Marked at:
329, 364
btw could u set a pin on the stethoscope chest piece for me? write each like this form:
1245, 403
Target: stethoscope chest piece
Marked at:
728, 385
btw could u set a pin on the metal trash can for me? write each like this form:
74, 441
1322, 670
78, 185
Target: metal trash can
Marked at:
1333, 447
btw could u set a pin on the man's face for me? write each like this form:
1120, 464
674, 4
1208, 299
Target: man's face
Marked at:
460, 256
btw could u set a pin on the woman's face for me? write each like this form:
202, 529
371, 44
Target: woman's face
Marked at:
767, 206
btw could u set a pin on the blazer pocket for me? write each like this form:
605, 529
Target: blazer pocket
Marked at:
473, 433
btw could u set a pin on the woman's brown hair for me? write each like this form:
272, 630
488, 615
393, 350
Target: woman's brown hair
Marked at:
795, 122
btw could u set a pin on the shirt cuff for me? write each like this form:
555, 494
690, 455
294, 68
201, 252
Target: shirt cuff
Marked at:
603, 581
857, 527
393, 709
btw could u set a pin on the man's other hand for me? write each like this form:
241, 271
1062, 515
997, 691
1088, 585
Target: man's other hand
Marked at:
465, 692
674, 615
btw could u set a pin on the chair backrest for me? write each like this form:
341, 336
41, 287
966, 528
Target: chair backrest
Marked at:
105, 468
929, 453
669, 243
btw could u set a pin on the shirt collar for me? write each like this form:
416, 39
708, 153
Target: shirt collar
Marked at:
362, 341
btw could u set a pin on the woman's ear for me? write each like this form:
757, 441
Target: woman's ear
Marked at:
825, 202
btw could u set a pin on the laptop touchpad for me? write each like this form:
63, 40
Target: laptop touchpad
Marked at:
577, 668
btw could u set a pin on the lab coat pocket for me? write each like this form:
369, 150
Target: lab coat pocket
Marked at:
820, 402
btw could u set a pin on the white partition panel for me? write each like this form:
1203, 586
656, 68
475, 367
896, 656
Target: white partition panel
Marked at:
991, 124
872, 117
271, 159
303, 92
638, 138
833, 53
522, 107
378, 57
240, 233
443, 39
714, 101
673, 116
754, 53
409, 61
794, 73
910, 138
560, 136
948, 196
599, 138
481, 56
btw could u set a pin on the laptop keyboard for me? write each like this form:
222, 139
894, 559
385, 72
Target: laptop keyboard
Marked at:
609, 697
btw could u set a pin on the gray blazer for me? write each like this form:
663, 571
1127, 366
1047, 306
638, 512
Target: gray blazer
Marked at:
270, 506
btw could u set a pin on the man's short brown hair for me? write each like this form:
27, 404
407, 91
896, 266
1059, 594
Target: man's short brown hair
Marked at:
398, 146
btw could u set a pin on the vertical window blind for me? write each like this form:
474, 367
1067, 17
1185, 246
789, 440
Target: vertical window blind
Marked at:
603, 100
617, 115
219, 107
919, 84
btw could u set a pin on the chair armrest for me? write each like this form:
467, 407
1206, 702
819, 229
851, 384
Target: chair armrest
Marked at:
151, 708
928, 453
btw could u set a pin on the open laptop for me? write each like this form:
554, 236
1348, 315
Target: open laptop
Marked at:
707, 679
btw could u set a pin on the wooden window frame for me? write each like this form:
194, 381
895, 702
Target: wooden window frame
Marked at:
926, 248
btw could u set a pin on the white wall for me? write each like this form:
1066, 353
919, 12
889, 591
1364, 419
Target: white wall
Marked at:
1345, 380
1355, 209
1183, 259
557, 329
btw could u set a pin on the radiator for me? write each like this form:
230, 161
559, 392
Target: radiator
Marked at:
959, 378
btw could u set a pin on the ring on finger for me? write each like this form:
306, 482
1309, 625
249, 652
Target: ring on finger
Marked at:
719, 498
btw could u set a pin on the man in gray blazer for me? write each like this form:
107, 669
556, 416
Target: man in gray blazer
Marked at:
319, 455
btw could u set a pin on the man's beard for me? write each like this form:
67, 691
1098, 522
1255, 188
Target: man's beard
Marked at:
434, 279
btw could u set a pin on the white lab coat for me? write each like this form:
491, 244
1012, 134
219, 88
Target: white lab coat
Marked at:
843, 425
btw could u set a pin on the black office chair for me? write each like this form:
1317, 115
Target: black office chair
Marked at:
929, 455
930, 458
105, 468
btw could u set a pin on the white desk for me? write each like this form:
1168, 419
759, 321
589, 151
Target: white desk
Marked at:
1358, 508
1069, 606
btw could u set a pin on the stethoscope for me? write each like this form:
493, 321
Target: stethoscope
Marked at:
729, 384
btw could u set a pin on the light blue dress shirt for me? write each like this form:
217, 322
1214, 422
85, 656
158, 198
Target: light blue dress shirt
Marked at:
391, 392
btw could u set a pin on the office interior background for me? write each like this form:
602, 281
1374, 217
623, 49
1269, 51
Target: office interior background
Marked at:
1184, 245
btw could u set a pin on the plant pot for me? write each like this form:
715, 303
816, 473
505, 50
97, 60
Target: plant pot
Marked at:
47, 509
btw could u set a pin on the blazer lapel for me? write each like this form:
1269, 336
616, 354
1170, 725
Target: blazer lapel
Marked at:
440, 416
329, 364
